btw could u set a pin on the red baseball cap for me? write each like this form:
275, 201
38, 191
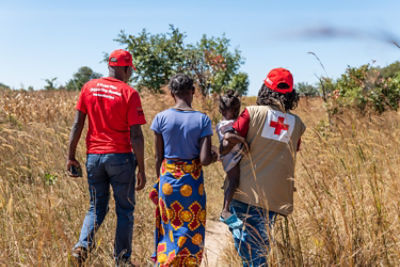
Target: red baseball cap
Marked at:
120, 57
278, 76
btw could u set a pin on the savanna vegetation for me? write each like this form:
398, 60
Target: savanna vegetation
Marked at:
347, 205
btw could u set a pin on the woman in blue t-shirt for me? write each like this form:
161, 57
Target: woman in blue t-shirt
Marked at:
183, 146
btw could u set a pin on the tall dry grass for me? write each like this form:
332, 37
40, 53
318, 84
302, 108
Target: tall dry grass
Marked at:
347, 201
347, 205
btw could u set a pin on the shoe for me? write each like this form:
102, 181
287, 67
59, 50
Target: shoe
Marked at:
237, 234
232, 221
80, 254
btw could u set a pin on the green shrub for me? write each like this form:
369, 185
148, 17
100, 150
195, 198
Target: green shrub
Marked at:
365, 87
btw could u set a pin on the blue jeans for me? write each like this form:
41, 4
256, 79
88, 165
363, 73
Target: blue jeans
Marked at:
253, 244
117, 170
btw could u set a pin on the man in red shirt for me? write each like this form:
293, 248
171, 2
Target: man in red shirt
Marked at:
115, 117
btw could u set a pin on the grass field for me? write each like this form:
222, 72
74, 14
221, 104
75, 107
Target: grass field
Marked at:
347, 204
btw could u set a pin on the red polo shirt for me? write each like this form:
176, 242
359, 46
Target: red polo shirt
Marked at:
112, 107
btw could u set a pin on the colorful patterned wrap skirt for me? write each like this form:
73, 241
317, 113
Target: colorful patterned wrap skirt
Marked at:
180, 214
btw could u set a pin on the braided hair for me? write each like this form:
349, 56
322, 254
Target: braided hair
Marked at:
230, 101
268, 97
180, 84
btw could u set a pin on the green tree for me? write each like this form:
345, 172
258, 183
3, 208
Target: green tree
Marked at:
159, 56
156, 57
326, 87
391, 90
82, 76
50, 84
197, 67
305, 89
213, 65
391, 70
4, 87
239, 83
366, 87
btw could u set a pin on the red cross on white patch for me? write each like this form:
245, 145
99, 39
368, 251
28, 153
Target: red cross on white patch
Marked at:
278, 126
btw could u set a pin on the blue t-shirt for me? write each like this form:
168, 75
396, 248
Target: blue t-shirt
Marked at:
182, 131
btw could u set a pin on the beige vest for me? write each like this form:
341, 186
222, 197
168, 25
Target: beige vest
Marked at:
267, 172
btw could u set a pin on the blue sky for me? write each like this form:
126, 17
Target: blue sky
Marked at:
46, 39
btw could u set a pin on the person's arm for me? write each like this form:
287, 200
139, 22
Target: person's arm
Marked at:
238, 135
229, 141
207, 155
74, 137
159, 148
137, 142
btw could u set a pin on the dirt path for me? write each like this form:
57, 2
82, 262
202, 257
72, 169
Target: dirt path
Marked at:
217, 238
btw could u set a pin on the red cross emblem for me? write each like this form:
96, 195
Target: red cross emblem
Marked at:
279, 125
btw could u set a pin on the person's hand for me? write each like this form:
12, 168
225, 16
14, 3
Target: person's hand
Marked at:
141, 180
72, 162
246, 148
214, 153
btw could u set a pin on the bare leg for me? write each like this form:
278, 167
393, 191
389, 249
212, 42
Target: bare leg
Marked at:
233, 176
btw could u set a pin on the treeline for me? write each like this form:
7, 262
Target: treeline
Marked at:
79, 78
83, 75
215, 67
211, 61
4, 87
364, 87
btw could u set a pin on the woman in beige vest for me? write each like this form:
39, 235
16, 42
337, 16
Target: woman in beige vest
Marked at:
266, 173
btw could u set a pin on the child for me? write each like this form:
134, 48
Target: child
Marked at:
229, 107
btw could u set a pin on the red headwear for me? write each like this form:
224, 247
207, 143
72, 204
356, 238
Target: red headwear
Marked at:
278, 76
120, 57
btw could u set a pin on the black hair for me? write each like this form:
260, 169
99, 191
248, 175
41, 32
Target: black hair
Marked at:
230, 101
288, 101
180, 84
